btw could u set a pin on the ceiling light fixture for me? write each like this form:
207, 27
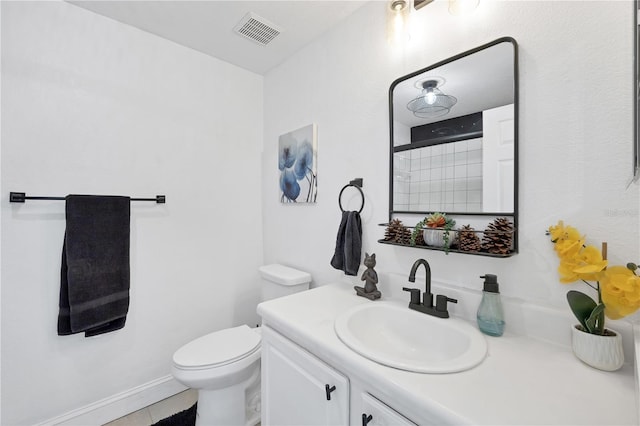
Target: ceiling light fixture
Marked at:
398, 20
431, 102
419, 4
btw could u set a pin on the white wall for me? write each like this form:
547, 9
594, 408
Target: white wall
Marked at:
576, 99
90, 105
93, 106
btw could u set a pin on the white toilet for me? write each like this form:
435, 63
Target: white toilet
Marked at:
224, 366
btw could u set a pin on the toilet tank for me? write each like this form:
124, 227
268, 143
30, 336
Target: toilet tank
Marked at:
279, 280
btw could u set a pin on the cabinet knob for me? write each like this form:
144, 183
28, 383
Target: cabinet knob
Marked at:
328, 391
366, 419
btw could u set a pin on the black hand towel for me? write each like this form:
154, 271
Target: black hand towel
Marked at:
348, 244
94, 285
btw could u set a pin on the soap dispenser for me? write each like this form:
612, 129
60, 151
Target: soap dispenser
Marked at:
490, 313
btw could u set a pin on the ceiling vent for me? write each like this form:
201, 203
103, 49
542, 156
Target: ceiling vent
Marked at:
257, 29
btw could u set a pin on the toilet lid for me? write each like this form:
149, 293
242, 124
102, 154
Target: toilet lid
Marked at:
218, 348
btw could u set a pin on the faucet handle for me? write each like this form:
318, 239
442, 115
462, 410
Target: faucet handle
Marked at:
415, 294
441, 303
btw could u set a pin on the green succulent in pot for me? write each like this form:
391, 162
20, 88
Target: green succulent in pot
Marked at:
435, 221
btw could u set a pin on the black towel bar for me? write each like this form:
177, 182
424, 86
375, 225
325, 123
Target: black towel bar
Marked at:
20, 197
357, 184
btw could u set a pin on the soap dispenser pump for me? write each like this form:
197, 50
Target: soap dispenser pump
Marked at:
490, 314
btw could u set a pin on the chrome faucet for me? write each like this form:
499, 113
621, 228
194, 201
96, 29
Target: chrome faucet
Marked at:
426, 306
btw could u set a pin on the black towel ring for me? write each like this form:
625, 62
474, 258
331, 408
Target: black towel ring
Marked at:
356, 183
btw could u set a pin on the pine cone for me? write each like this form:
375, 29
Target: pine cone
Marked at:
404, 237
392, 229
396, 232
498, 237
468, 239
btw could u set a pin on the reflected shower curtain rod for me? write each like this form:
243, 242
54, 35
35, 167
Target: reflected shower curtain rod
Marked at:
20, 197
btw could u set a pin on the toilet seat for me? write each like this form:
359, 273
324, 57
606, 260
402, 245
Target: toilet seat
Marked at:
218, 349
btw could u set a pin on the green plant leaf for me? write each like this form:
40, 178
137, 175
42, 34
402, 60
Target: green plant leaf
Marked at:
417, 230
595, 322
581, 305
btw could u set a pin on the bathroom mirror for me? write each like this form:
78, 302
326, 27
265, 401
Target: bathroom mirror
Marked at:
454, 135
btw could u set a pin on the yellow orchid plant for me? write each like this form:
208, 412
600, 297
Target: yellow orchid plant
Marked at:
618, 287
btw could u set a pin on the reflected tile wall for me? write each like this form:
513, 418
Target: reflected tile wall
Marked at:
445, 177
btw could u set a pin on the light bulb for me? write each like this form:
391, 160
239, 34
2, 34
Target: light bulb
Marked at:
430, 97
398, 5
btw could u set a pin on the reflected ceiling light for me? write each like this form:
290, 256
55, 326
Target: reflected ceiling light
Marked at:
462, 7
431, 102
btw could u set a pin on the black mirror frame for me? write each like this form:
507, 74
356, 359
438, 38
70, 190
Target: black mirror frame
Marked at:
516, 101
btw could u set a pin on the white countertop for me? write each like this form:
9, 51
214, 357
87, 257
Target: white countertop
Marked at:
522, 381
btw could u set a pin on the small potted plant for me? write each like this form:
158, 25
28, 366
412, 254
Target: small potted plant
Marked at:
618, 295
436, 230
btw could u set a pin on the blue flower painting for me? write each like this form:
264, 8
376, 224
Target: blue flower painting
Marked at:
297, 162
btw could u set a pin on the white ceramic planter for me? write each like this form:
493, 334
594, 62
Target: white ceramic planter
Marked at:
601, 352
435, 237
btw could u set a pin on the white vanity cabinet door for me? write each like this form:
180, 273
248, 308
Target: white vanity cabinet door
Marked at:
294, 386
377, 413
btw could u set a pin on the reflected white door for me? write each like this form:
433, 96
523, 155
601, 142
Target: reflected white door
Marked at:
498, 159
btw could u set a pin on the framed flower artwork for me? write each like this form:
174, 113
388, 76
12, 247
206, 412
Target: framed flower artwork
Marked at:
297, 162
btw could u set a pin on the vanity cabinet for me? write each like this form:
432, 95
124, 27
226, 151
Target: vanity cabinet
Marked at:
377, 413
298, 388
299, 335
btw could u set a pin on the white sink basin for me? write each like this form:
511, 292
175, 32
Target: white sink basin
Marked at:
399, 337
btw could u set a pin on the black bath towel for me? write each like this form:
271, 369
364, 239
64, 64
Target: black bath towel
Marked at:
94, 284
348, 244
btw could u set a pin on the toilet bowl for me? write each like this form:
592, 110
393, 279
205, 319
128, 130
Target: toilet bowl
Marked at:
224, 366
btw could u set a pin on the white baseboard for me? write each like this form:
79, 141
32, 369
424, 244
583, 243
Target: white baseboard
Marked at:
119, 405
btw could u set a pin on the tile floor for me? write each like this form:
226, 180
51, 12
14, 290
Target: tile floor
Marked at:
158, 411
